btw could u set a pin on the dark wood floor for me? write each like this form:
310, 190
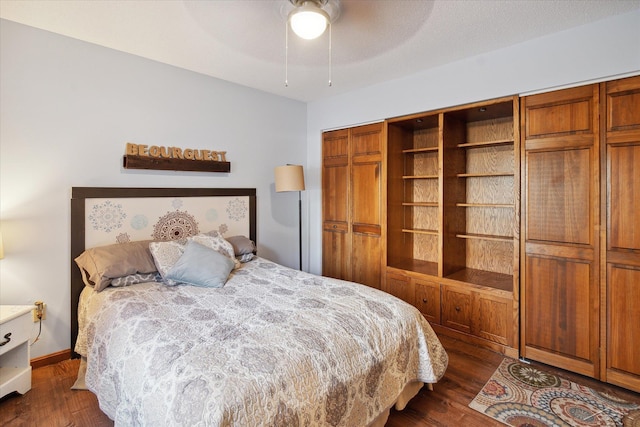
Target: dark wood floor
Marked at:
51, 402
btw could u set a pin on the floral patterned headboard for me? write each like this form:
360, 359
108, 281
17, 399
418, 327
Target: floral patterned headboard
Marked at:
106, 215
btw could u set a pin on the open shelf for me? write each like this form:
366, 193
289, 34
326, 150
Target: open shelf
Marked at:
484, 174
488, 279
453, 183
484, 205
477, 145
420, 231
485, 237
420, 150
415, 265
486, 143
421, 204
420, 177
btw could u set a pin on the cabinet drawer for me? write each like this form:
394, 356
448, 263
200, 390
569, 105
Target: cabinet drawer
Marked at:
456, 309
19, 330
427, 299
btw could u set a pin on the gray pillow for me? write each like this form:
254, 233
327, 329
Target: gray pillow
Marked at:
241, 245
201, 266
101, 264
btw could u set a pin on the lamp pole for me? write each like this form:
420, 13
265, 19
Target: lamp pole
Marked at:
300, 226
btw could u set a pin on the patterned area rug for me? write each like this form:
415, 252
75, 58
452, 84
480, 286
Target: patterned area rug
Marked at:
520, 395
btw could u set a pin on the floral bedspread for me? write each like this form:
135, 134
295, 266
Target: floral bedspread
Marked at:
273, 347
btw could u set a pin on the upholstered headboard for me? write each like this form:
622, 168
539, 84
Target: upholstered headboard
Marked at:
105, 215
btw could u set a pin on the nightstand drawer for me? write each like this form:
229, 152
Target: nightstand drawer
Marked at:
19, 329
15, 354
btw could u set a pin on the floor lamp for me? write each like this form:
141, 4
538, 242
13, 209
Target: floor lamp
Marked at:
291, 178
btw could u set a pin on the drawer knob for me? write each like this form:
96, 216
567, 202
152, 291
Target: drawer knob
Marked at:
7, 338
424, 300
335, 226
458, 308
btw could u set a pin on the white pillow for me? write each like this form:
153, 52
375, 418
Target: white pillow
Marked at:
165, 255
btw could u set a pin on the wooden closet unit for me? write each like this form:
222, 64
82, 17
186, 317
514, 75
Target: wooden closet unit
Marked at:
353, 204
581, 249
560, 298
452, 219
620, 118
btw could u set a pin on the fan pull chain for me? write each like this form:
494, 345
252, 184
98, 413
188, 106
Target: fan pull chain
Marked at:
286, 54
330, 54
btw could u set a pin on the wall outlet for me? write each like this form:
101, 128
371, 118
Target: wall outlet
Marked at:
40, 312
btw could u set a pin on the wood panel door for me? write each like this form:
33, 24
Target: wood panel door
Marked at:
560, 301
366, 204
352, 204
621, 197
336, 237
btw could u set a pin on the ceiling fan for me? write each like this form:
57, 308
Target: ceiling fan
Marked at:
309, 19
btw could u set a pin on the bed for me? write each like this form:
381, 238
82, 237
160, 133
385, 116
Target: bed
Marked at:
261, 345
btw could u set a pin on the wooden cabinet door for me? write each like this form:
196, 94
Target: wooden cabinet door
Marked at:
336, 237
427, 299
366, 204
621, 201
561, 293
623, 361
492, 318
456, 308
400, 286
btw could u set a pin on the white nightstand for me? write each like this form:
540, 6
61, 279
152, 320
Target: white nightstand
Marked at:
15, 361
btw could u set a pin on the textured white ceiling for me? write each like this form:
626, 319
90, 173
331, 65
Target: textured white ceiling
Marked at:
243, 41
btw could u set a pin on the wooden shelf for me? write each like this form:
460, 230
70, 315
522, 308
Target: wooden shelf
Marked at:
465, 164
488, 279
484, 174
421, 204
486, 143
421, 150
415, 265
486, 237
420, 177
420, 231
484, 205
157, 163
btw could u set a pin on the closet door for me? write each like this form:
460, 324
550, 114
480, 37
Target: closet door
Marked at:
620, 205
366, 207
352, 204
336, 236
560, 298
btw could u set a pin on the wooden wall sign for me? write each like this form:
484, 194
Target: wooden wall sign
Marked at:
140, 156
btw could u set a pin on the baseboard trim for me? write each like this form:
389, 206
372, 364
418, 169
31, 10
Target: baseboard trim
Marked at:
50, 359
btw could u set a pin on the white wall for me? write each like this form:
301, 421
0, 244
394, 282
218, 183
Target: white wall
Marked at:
607, 48
67, 110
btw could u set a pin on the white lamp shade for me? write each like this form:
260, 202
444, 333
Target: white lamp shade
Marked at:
289, 178
1, 247
308, 21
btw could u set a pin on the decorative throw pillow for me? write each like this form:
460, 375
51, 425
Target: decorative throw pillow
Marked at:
200, 265
165, 255
242, 245
217, 243
101, 264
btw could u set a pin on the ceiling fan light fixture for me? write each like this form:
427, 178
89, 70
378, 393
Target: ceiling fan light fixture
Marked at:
308, 21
